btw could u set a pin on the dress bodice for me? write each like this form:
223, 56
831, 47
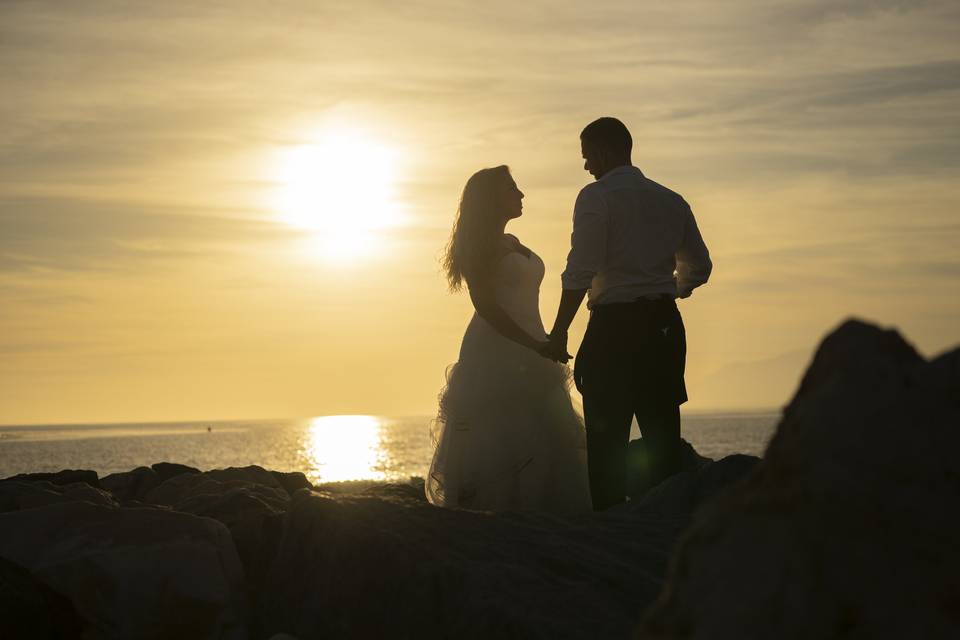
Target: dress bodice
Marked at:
518, 290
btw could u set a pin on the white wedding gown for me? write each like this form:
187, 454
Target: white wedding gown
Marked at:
507, 436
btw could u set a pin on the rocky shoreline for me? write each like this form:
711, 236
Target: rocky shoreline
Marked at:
847, 527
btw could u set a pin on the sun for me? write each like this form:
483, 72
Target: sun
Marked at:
340, 186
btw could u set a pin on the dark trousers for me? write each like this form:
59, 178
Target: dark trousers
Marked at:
631, 363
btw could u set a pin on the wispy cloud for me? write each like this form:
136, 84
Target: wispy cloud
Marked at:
817, 139
58, 234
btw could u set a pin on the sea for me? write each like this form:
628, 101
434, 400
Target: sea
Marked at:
324, 448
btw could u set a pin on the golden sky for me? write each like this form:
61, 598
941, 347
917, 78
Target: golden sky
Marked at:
150, 270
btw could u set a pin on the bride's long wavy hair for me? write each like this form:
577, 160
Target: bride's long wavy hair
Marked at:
475, 236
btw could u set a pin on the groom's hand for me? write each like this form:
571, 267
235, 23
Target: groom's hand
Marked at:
556, 348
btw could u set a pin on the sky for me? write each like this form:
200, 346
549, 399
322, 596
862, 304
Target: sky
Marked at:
152, 266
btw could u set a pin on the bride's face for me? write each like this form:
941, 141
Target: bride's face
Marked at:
512, 199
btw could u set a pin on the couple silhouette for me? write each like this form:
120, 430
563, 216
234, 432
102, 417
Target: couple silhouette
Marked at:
507, 436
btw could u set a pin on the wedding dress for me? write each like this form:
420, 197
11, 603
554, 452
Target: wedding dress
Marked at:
507, 436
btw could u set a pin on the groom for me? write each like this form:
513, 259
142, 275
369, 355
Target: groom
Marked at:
635, 249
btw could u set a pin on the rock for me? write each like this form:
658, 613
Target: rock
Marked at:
67, 476
180, 486
131, 485
347, 487
83, 491
687, 491
248, 500
132, 573
361, 559
253, 514
848, 526
167, 470
30, 609
368, 565
253, 474
16, 495
412, 492
639, 467
291, 481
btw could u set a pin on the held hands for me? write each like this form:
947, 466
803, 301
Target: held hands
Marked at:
555, 348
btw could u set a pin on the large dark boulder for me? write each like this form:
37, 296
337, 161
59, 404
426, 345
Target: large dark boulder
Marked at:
167, 470
641, 467
131, 485
383, 563
132, 572
31, 609
291, 481
67, 476
16, 495
253, 514
687, 491
248, 500
849, 525
183, 485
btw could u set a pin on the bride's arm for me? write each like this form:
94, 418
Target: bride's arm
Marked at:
485, 302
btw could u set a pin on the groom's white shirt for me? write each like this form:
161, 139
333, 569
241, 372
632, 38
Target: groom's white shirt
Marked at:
631, 238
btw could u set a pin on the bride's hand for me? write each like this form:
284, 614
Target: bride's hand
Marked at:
554, 350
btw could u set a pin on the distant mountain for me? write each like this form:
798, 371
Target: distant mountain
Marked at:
766, 383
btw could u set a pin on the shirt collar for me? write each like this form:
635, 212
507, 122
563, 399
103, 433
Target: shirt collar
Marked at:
622, 169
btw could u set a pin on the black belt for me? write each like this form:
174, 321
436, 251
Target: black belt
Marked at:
638, 303
656, 297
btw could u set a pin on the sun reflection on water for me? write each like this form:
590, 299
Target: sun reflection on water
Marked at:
345, 448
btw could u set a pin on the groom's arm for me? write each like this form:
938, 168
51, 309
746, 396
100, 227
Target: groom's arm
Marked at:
570, 303
693, 259
588, 247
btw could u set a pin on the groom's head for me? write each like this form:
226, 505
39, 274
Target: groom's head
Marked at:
606, 144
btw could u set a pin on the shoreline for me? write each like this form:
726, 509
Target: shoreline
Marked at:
842, 528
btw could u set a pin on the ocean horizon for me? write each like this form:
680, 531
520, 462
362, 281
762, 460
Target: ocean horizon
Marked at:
331, 448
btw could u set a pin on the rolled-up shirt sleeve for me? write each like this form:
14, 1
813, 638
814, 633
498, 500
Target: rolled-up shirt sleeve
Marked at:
588, 243
693, 259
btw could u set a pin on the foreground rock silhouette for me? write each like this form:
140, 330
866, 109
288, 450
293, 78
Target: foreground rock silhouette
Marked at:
131, 572
230, 553
848, 526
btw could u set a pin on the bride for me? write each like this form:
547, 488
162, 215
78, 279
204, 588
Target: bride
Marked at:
506, 436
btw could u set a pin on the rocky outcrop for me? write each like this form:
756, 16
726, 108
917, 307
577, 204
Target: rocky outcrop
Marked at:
291, 481
131, 485
31, 609
132, 573
167, 470
640, 469
848, 527
189, 485
347, 560
17, 494
67, 476
360, 567
383, 562
250, 501
686, 491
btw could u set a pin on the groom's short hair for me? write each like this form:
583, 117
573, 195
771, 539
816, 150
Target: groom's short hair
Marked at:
609, 134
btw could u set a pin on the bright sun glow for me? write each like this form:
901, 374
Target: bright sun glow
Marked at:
345, 448
340, 186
